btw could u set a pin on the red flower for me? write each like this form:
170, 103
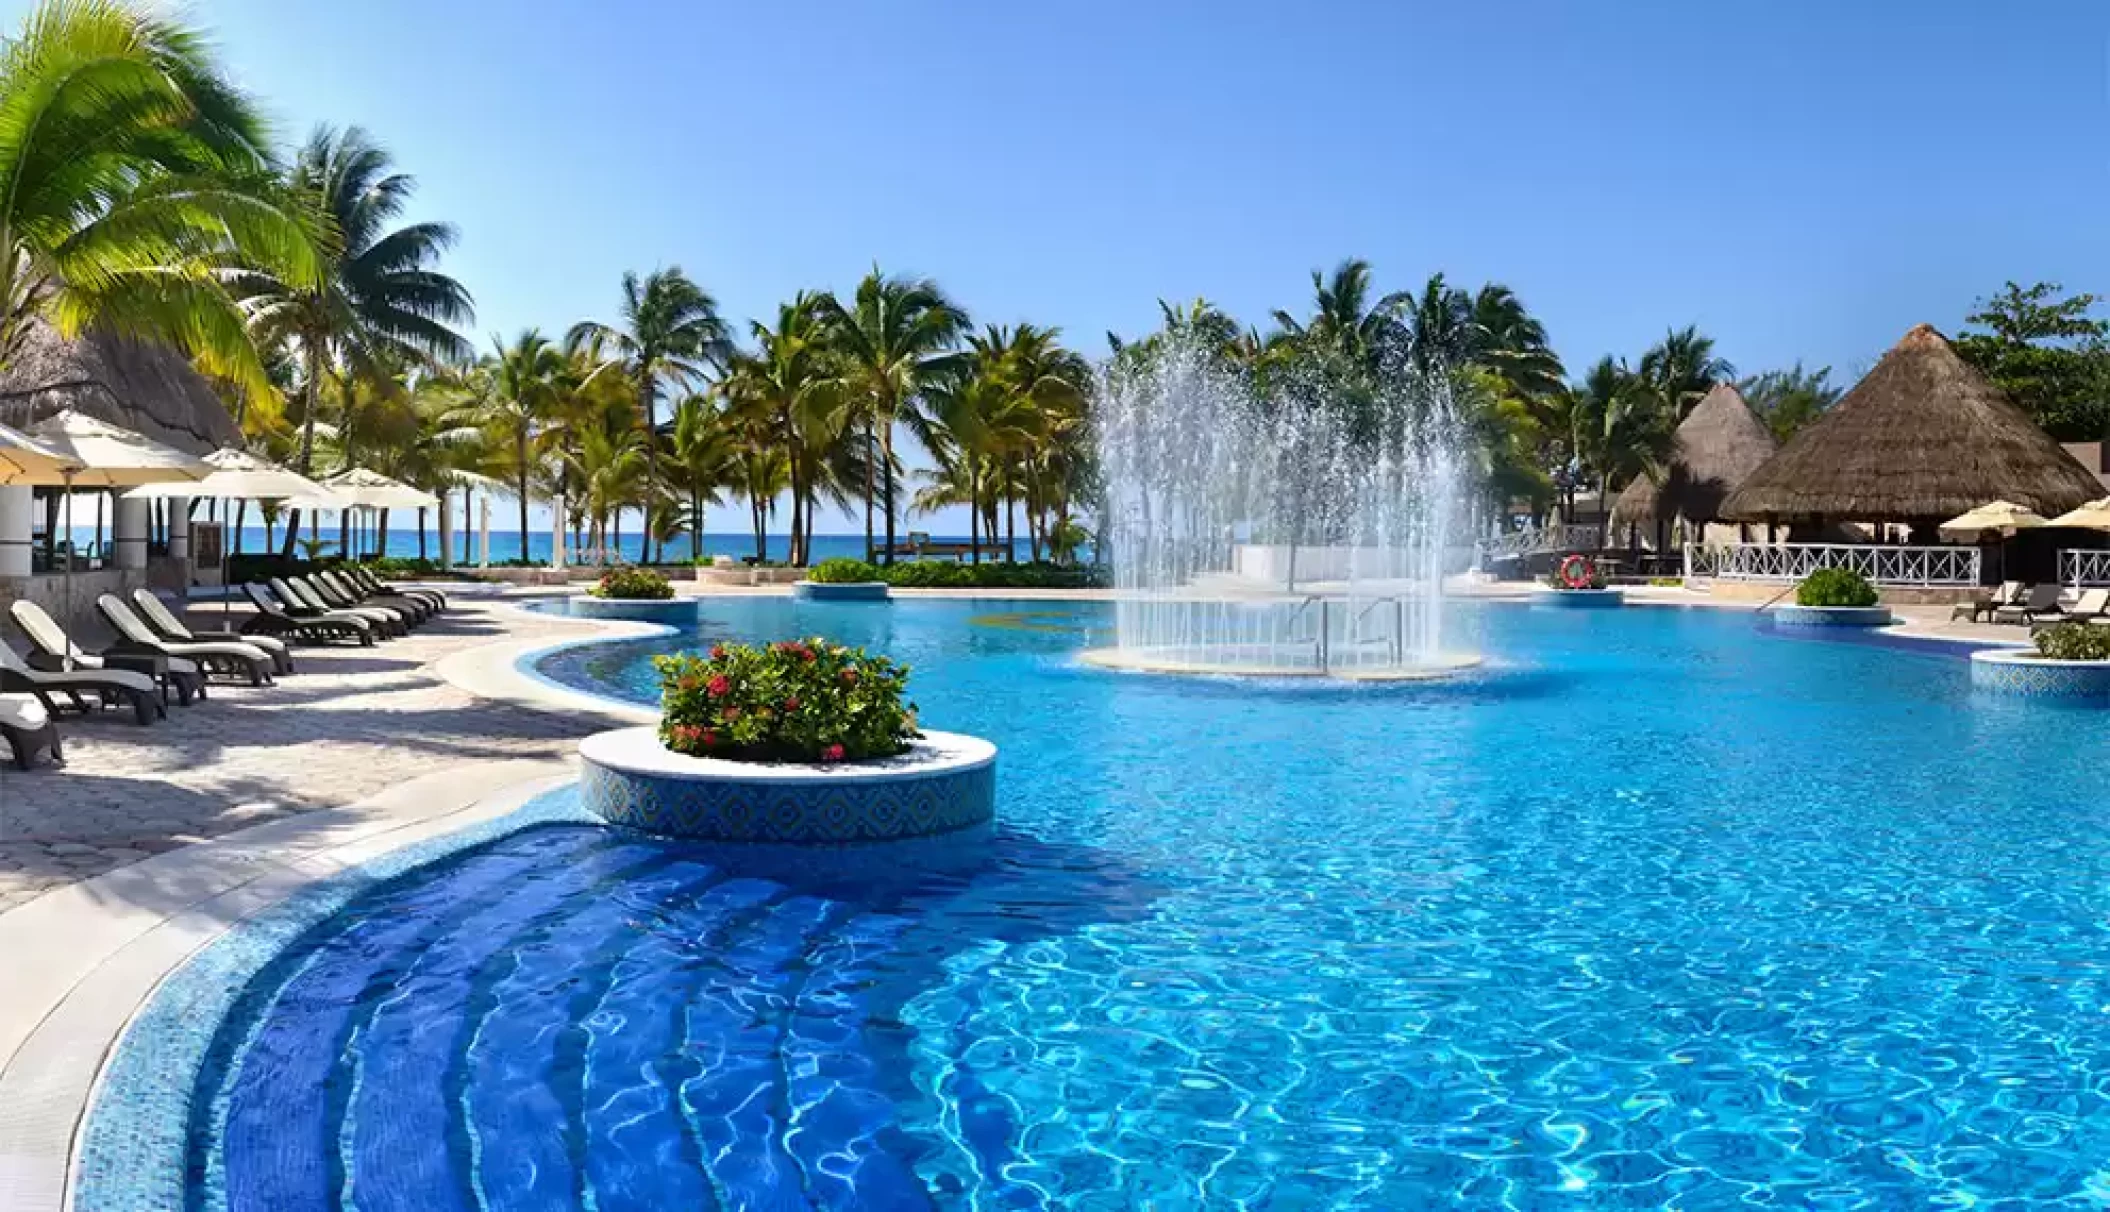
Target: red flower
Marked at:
849, 677
791, 704
807, 653
833, 753
690, 682
729, 714
719, 686
710, 737
717, 652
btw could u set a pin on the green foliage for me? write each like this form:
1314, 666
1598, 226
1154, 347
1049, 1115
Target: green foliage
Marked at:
796, 701
1788, 400
2048, 354
1835, 587
943, 574
842, 572
2074, 641
633, 585
315, 549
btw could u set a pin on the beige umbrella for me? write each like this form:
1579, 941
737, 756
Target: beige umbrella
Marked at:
237, 475
25, 460
2095, 515
360, 488
2004, 517
108, 456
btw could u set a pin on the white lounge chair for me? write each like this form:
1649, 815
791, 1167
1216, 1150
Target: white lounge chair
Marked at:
81, 690
56, 650
156, 614
242, 660
2041, 602
26, 725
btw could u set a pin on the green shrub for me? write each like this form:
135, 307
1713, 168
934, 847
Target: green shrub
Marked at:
796, 701
633, 585
2075, 641
841, 572
944, 574
1835, 587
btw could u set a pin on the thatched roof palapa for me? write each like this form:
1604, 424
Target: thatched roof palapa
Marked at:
1718, 445
149, 389
1923, 436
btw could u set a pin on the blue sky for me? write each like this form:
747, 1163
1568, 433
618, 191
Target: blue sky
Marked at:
1802, 178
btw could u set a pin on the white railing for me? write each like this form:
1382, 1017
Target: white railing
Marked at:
1882, 565
1561, 536
2083, 567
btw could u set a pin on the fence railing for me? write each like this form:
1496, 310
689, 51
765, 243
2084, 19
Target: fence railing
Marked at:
2084, 567
1561, 536
1882, 565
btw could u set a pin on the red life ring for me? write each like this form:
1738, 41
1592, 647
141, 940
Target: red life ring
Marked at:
1577, 572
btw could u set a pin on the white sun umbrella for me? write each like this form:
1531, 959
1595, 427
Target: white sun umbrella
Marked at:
2095, 515
108, 456
25, 460
2004, 517
237, 475
359, 488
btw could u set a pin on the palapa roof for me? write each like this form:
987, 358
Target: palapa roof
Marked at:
1718, 445
149, 389
1922, 436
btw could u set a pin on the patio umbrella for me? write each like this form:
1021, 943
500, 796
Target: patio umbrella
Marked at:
2095, 515
360, 488
107, 456
25, 460
237, 475
2004, 517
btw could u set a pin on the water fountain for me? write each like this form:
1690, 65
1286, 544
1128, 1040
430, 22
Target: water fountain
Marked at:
1291, 529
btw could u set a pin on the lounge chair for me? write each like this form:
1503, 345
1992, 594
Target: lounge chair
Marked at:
348, 594
26, 724
213, 656
2041, 602
2093, 606
81, 690
156, 614
2009, 594
366, 580
296, 592
276, 615
54, 650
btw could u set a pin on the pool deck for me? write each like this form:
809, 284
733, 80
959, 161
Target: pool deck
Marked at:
153, 841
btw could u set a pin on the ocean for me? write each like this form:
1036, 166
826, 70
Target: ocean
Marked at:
505, 544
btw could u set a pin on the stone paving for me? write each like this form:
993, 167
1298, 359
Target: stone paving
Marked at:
352, 722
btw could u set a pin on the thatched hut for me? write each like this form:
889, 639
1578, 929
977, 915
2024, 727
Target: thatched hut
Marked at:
149, 389
1921, 438
1718, 445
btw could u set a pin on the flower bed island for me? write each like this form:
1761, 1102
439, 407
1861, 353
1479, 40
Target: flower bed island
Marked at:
633, 593
2071, 662
1833, 597
1577, 584
803, 742
841, 581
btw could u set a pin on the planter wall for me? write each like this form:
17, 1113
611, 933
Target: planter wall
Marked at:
851, 591
944, 785
672, 611
2020, 671
741, 574
1578, 599
1829, 616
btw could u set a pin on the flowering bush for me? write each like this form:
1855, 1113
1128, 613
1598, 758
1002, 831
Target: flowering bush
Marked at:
633, 584
795, 701
2074, 641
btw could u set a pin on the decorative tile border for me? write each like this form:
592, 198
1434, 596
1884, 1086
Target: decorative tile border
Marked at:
1829, 616
2024, 673
849, 591
1578, 599
131, 1151
945, 785
674, 611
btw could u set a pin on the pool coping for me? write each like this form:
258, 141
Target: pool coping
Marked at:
87, 961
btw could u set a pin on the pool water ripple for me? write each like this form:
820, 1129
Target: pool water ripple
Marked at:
1659, 910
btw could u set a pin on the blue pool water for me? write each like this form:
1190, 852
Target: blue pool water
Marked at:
1662, 910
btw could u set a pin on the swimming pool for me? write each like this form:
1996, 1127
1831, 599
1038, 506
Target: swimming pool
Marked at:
1658, 909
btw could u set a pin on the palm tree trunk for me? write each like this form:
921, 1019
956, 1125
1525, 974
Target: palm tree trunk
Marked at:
421, 533
381, 536
520, 445
886, 442
241, 510
871, 460
756, 510
1010, 525
695, 527
644, 397
309, 395
974, 509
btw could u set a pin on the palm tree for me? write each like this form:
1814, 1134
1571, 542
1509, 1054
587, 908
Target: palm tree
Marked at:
378, 300
1344, 322
520, 386
670, 329
706, 458
1682, 367
133, 181
1624, 427
794, 383
896, 339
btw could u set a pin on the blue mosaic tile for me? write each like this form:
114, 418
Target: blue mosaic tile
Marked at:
829, 813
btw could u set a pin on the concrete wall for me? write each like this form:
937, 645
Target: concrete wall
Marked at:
83, 622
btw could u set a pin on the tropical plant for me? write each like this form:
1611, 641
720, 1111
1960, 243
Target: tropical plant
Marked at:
669, 332
1787, 400
135, 188
842, 571
1835, 587
896, 340
517, 393
1681, 368
795, 701
632, 585
790, 394
2074, 641
2049, 354
705, 458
